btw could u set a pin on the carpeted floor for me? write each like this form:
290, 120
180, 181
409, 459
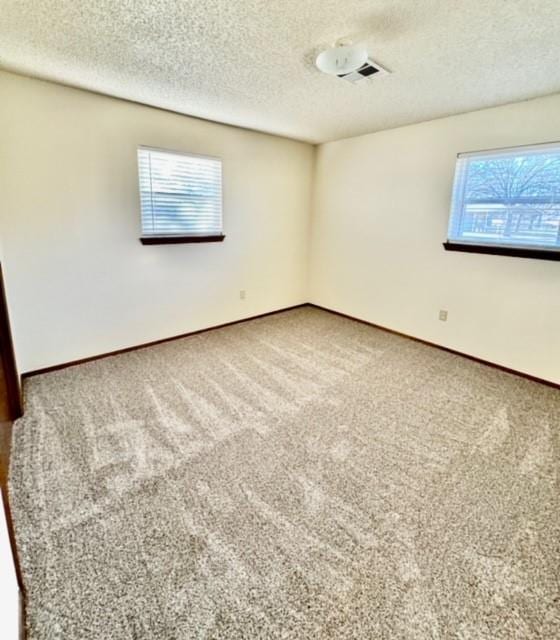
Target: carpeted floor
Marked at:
301, 476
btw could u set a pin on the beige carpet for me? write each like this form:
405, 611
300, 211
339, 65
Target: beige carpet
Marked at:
301, 476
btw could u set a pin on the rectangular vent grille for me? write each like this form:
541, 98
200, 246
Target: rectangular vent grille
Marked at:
369, 69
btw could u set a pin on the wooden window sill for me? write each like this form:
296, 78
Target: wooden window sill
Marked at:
518, 252
180, 239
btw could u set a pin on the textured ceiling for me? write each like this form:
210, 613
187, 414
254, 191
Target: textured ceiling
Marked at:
250, 62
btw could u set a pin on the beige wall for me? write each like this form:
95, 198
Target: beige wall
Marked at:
79, 281
380, 216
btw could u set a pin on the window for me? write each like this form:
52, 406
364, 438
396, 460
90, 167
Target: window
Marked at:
180, 196
507, 202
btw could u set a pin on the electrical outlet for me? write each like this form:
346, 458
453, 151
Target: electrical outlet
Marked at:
242, 294
443, 315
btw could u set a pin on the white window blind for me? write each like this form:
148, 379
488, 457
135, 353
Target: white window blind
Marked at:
507, 198
180, 194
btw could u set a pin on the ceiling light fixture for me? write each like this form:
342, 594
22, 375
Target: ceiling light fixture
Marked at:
341, 59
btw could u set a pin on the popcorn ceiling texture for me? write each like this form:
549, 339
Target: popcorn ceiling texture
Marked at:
300, 476
250, 62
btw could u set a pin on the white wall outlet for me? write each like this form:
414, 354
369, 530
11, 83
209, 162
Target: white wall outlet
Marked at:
443, 315
242, 294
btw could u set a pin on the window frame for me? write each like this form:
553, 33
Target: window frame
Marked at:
185, 238
521, 251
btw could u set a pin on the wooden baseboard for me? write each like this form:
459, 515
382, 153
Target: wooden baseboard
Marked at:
71, 363
515, 372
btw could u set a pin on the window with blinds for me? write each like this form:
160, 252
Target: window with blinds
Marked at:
180, 196
508, 198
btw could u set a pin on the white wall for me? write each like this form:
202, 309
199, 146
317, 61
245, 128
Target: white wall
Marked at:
380, 217
79, 282
9, 590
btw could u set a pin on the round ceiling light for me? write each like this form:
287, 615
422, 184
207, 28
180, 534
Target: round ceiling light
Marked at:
341, 59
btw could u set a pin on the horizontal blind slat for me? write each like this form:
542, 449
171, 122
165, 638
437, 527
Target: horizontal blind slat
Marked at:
179, 194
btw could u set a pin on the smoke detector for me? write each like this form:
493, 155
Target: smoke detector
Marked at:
348, 61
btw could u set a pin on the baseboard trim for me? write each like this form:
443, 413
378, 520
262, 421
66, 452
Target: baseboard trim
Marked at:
515, 372
72, 363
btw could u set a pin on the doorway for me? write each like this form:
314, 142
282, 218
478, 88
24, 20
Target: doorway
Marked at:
11, 406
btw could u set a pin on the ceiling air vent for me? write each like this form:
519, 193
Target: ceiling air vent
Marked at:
367, 70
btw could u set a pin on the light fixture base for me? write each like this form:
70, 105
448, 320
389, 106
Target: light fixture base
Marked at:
341, 59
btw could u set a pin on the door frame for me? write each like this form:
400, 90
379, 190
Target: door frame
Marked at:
8, 358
